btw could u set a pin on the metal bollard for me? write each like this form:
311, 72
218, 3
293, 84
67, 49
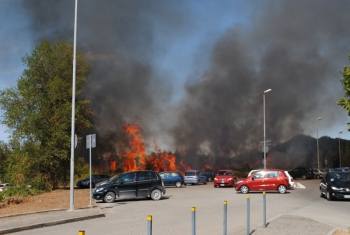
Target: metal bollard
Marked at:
81, 233
193, 220
248, 215
149, 225
225, 218
264, 209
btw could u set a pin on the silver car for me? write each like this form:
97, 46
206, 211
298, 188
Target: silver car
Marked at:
194, 177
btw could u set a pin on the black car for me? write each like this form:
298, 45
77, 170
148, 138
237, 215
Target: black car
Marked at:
335, 185
96, 178
209, 174
302, 172
132, 184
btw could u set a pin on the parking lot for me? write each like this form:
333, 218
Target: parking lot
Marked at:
172, 214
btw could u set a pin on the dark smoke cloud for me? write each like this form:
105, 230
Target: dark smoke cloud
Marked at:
296, 48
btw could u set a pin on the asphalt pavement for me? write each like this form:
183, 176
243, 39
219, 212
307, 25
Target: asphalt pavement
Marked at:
282, 224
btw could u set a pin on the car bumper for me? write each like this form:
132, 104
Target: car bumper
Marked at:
340, 195
191, 181
223, 184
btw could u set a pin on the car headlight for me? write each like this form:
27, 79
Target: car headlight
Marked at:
335, 188
215, 178
98, 190
229, 178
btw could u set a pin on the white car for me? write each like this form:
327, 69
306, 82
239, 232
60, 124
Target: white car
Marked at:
3, 186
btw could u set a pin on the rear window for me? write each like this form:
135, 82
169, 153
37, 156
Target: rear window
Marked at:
190, 173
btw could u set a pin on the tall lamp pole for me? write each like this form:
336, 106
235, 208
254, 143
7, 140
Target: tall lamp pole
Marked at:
340, 132
318, 152
264, 128
71, 204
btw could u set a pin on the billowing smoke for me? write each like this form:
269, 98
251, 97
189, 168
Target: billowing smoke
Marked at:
295, 48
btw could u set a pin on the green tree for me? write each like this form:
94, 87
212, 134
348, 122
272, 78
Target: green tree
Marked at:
345, 100
37, 112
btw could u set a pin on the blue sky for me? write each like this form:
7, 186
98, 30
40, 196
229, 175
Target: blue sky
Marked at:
184, 45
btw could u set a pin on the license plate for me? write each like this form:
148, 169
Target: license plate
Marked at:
346, 196
222, 184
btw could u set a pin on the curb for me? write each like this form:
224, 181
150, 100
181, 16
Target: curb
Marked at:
41, 225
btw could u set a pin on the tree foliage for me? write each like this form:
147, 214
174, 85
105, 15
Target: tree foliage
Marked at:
345, 100
37, 112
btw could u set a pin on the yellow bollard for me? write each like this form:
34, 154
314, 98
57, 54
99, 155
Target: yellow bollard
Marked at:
81, 233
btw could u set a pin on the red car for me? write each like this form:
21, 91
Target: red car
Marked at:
225, 178
264, 180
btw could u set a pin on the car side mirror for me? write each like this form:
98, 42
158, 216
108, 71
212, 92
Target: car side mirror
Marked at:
253, 177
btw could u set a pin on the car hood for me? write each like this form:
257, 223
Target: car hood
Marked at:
340, 184
101, 183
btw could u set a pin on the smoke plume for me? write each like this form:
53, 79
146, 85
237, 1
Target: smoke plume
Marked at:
295, 48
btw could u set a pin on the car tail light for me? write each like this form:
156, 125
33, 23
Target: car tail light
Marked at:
162, 182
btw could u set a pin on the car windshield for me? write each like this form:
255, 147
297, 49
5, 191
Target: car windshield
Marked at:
224, 173
190, 173
342, 177
113, 178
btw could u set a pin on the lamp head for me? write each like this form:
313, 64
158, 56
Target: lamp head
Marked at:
319, 118
268, 90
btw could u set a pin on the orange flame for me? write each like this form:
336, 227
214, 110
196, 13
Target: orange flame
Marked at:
137, 153
113, 165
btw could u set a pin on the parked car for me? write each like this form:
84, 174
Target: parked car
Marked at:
172, 178
194, 177
318, 173
335, 185
264, 180
302, 172
96, 178
131, 184
3, 186
290, 178
209, 174
342, 169
225, 178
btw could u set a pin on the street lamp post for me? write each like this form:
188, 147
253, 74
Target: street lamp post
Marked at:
318, 152
71, 204
339, 150
264, 128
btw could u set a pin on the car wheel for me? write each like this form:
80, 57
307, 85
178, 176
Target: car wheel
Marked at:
303, 177
329, 196
209, 179
244, 189
109, 197
317, 177
185, 184
282, 189
156, 194
178, 184
205, 182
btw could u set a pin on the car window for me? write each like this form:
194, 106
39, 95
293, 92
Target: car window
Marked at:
146, 175
154, 175
259, 175
190, 173
273, 174
174, 174
129, 177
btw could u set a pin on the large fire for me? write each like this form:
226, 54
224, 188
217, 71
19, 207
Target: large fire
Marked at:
137, 159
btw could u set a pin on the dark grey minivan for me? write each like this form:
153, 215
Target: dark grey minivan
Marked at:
132, 184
